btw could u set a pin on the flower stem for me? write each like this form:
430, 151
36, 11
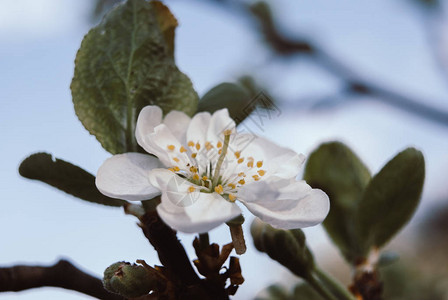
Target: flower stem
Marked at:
220, 160
236, 232
133, 209
320, 288
335, 286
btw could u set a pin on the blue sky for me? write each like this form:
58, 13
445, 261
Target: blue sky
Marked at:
38, 43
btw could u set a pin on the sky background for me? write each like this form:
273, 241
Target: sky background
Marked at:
38, 43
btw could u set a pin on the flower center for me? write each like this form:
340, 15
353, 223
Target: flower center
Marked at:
212, 169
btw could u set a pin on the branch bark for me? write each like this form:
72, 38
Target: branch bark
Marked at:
171, 253
174, 258
63, 275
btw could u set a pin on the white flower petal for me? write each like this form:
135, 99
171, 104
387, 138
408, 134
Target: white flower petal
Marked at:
190, 212
126, 176
277, 161
219, 122
285, 204
208, 211
197, 133
149, 117
197, 129
177, 122
158, 142
176, 188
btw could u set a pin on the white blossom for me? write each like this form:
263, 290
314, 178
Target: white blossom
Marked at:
204, 168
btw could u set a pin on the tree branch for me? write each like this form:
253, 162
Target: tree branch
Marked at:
354, 81
63, 274
171, 252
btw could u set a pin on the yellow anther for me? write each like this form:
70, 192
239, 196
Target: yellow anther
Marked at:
259, 164
227, 132
231, 185
240, 161
232, 197
195, 177
176, 168
182, 149
220, 151
205, 178
193, 169
219, 144
194, 155
208, 146
256, 177
219, 189
190, 144
191, 189
171, 169
171, 147
175, 159
250, 164
237, 154
261, 172
198, 146
242, 182
241, 174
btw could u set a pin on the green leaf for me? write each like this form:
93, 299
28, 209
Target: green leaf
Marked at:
387, 258
66, 177
234, 97
274, 292
124, 64
303, 291
288, 247
391, 198
335, 169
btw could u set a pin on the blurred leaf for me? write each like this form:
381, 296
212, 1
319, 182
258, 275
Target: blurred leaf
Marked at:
288, 247
234, 97
405, 280
335, 169
124, 64
66, 177
303, 291
101, 6
387, 258
275, 292
428, 4
391, 197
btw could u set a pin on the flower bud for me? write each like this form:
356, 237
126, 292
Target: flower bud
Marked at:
288, 247
130, 280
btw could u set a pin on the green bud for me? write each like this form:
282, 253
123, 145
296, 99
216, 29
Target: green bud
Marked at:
130, 280
288, 247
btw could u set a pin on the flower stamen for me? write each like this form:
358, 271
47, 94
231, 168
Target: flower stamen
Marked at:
232, 197
219, 189
221, 159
